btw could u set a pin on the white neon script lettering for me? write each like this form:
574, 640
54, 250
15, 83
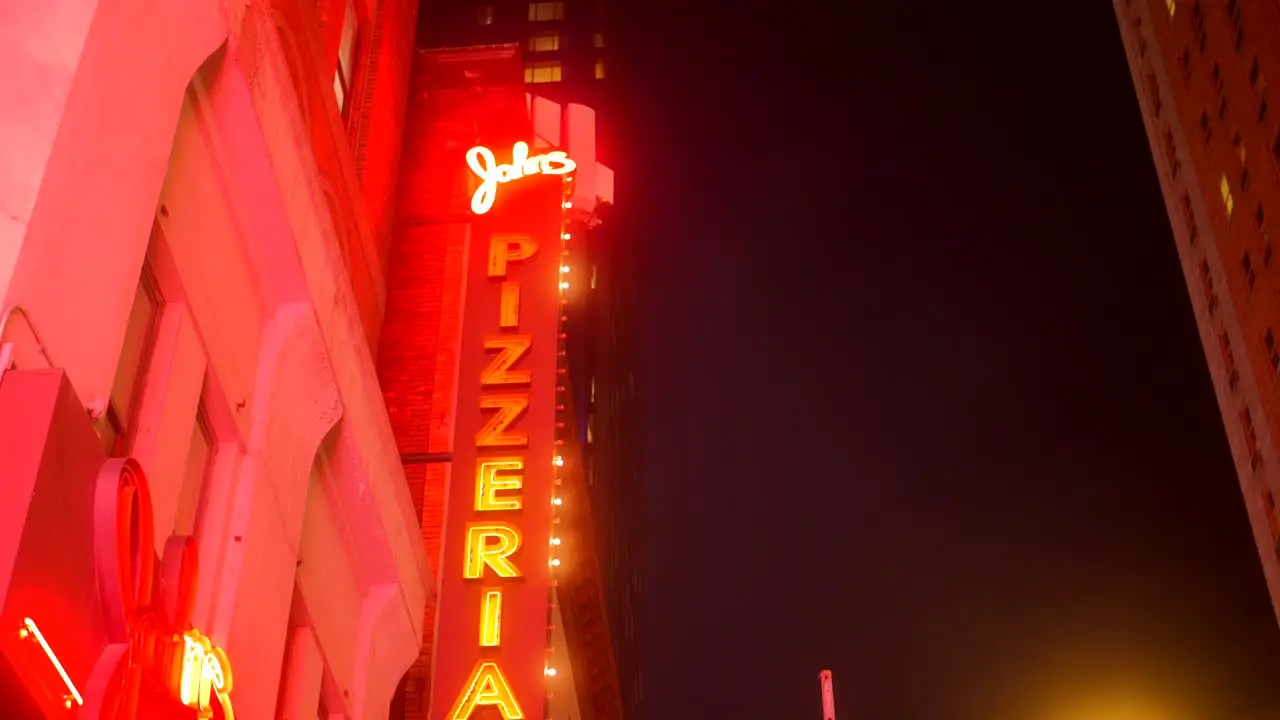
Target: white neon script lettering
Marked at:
483, 163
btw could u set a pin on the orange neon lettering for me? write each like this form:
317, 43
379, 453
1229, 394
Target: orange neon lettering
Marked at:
487, 686
492, 545
491, 618
497, 431
504, 249
205, 673
489, 483
509, 306
485, 165
510, 350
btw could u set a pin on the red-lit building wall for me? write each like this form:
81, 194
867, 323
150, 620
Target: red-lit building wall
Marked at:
190, 242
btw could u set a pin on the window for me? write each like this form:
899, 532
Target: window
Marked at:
594, 276
484, 15
1189, 217
597, 40
1246, 264
1224, 189
1250, 438
1229, 361
1273, 351
1273, 518
549, 42
1153, 91
544, 11
599, 68
1172, 5
1241, 152
1206, 282
135, 356
1205, 128
342, 77
199, 461
1197, 22
1237, 22
1256, 80
1264, 239
542, 72
1184, 62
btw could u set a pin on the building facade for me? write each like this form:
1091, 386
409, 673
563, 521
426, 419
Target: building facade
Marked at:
497, 188
1200, 68
203, 504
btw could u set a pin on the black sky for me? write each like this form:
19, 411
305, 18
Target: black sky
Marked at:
926, 404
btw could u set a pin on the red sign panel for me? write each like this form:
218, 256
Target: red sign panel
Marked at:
491, 642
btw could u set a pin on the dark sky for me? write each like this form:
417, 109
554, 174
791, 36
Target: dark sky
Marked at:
926, 401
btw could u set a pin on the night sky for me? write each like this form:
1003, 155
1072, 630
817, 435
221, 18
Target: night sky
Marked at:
926, 404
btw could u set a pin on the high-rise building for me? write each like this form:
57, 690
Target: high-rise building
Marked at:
567, 45
201, 503
1200, 68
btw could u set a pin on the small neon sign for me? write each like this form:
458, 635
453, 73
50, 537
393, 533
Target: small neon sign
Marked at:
485, 165
30, 631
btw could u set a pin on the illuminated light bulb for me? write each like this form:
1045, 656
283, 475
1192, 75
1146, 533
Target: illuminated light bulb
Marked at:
551, 672
555, 541
555, 562
558, 462
566, 236
564, 286
66, 703
23, 632
564, 268
567, 204
557, 501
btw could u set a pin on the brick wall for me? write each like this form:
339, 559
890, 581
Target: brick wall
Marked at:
418, 350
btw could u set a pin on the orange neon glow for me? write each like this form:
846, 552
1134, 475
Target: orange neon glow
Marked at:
504, 249
161, 645
489, 483
491, 618
510, 350
487, 686
496, 555
206, 673
483, 163
29, 630
497, 431
509, 305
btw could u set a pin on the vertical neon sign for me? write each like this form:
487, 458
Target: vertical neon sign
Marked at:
492, 612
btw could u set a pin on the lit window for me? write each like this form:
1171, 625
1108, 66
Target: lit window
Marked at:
549, 42
346, 57
542, 72
484, 15
199, 461
600, 68
1224, 188
1172, 5
598, 40
593, 278
135, 355
1238, 142
544, 11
